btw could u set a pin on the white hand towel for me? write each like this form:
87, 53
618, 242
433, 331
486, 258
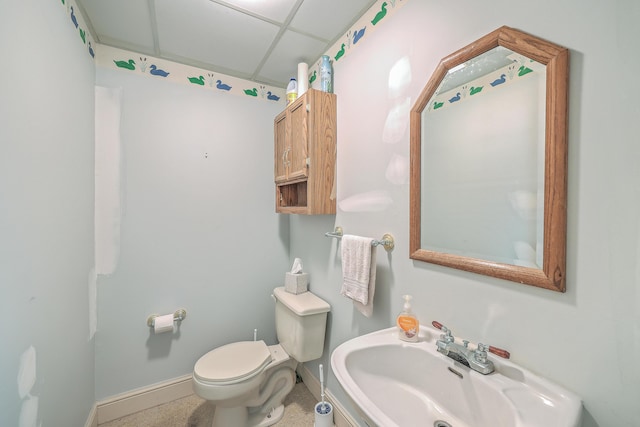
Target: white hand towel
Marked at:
359, 272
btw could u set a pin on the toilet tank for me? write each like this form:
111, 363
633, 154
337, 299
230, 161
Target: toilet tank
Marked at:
301, 321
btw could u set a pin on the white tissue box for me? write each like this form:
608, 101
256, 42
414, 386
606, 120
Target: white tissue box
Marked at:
296, 283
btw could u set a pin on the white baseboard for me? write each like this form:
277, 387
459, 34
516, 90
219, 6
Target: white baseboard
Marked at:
92, 419
177, 388
341, 417
141, 399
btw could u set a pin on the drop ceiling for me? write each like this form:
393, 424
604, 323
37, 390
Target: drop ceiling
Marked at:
258, 40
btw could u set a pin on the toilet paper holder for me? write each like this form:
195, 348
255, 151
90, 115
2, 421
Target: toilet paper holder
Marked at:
178, 316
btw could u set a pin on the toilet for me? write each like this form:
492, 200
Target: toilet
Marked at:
247, 381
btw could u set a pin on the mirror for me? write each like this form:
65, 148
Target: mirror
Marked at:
489, 159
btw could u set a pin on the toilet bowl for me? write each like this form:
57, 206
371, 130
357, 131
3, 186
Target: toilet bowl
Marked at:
231, 376
247, 381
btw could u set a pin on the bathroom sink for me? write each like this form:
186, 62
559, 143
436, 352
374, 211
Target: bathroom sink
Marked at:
396, 383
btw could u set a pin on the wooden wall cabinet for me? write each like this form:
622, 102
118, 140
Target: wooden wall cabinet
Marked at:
305, 155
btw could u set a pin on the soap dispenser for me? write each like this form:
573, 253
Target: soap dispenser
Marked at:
408, 325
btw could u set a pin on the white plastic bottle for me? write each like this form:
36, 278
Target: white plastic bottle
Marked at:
408, 325
292, 91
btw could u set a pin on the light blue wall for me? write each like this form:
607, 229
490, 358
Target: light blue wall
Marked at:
46, 217
587, 339
205, 237
199, 230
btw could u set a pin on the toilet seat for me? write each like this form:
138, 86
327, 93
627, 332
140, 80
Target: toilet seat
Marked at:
232, 363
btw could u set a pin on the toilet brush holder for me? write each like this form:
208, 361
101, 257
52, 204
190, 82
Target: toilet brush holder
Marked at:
323, 415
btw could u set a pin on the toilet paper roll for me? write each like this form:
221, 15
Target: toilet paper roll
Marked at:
303, 78
163, 324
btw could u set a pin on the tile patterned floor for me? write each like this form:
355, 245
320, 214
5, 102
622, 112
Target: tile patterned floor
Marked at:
193, 411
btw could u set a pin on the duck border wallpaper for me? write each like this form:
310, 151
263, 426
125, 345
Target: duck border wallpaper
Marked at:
111, 57
363, 27
128, 61
519, 68
77, 20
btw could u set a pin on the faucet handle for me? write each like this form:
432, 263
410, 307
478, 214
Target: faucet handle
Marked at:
499, 352
440, 326
447, 336
495, 350
481, 347
437, 324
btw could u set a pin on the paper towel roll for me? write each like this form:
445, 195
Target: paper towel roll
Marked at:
303, 78
163, 324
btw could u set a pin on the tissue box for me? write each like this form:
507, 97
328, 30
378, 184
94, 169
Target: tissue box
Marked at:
296, 283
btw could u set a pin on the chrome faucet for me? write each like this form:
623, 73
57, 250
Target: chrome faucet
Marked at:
474, 357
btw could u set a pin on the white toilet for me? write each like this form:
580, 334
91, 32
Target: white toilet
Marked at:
248, 380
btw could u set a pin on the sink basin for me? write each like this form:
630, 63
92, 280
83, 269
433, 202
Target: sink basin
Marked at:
396, 383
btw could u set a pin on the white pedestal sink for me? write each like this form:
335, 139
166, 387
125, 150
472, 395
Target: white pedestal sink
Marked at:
395, 383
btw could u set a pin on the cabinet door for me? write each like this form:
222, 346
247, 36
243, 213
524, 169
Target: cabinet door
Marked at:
280, 152
299, 134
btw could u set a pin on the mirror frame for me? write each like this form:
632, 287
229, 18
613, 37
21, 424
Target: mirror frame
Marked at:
556, 59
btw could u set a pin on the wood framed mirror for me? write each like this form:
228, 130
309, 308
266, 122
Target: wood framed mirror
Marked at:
489, 161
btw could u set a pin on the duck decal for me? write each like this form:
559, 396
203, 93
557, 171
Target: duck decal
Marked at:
524, 70
499, 81
437, 105
380, 14
129, 65
73, 18
358, 35
251, 92
91, 52
455, 98
197, 80
313, 78
475, 90
272, 97
222, 86
340, 53
153, 69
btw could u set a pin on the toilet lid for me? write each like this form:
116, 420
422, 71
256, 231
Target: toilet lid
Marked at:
233, 362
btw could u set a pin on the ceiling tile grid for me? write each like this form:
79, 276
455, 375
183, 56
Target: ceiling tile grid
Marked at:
292, 49
213, 34
293, 46
254, 39
277, 10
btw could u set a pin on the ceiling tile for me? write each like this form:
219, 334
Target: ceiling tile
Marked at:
292, 49
327, 18
122, 20
213, 34
276, 10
